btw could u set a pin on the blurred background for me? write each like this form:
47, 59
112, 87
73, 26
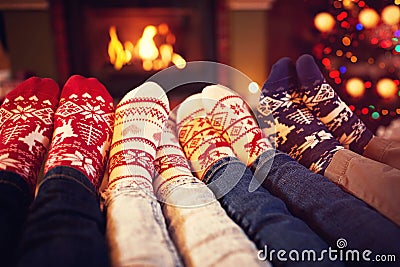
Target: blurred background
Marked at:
124, 42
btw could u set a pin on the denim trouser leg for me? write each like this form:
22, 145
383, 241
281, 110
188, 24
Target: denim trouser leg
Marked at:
136, 230
65, 226
327, 209
263, 217
14, 202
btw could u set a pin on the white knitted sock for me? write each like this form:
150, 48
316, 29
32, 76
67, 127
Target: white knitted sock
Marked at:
139, 119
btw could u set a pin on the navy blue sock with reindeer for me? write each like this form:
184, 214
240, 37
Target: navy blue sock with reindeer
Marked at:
293, 127
324, 103
26, 125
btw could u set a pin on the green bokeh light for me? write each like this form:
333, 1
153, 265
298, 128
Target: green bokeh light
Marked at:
375, 115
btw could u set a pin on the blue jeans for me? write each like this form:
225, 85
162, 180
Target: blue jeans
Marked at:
328, 210
262, 216
14, 203
64, 225
137, 234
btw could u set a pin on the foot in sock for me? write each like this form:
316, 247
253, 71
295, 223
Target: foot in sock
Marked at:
297, 131
230, 116
202, 144
173, 172
82, 128
324, 103
26, 125
139, 120
170, 160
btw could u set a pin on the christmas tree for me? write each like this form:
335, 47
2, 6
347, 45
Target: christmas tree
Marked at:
358, 48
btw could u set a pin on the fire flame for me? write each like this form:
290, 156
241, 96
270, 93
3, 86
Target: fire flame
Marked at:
146, 49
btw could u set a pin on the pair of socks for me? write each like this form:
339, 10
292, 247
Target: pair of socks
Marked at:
326, 105
82, 126
311, 123
220, 126
145, 152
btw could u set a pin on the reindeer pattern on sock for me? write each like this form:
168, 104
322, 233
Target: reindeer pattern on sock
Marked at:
35, 138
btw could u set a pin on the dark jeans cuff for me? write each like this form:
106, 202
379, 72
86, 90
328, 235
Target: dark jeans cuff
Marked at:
16, 182
69, 173
269, 161
209, 175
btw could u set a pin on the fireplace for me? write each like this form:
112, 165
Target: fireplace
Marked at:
101, 38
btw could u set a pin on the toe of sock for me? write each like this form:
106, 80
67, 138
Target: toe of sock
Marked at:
75, 81
190, 108
27, 87
216, 91
281, 79
52, 88
92, 86
308, 71
150, 91
44, 89
213, 93
100, 89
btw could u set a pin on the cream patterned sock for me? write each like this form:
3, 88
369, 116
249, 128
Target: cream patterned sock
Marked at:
230, 116
202, 144
139, 120
172, 167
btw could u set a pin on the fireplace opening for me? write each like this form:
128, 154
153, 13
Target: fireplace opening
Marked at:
154, 50
123, 43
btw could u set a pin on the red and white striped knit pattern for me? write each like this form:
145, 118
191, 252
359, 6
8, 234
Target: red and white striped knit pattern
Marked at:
230, 116
139, 120
26, 124
82, 128
202, 144
172, 167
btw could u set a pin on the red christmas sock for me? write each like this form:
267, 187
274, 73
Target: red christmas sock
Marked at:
83, 127
26, 124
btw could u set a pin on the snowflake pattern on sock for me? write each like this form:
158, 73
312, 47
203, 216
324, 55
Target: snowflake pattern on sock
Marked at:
82, 128
297, 131
321, 99
230, 116
139, 120
201, 143
26, 124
